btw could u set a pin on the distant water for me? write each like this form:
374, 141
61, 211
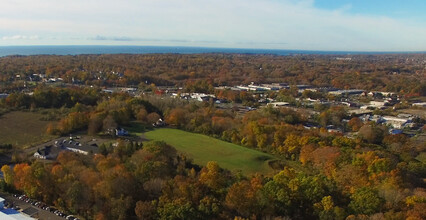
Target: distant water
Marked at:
75, 50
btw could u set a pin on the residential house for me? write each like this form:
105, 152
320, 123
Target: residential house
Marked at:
47, 153
121, 132
159, 123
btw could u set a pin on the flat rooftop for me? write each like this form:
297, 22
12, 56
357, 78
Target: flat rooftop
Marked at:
12, 214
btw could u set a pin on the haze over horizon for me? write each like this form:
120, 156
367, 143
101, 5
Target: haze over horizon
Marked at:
329, 25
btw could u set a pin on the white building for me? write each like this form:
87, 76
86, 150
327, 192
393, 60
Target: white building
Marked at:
396, 122
197, 96
278, 104
11, 214
377, 104
346, 92
420, 104
77, 150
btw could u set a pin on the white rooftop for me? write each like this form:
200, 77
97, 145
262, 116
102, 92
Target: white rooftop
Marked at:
12, 214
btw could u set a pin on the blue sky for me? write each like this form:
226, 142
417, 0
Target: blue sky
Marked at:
401, 9
357, 25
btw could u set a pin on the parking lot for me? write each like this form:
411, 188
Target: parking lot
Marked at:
32, 207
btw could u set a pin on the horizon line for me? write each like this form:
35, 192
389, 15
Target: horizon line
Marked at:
227, 48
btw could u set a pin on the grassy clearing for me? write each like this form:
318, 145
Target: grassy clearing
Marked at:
202, 148
23, 129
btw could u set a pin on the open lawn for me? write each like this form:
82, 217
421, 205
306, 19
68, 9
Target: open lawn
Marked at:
23, 129
202, 148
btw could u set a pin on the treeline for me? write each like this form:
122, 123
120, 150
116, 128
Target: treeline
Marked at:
86, 108
110, 112
48, 97
403, 73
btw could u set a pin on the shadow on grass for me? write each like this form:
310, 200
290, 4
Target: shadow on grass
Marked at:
277, 164
263, 158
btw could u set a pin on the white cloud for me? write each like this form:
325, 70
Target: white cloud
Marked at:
285, 24
20, 37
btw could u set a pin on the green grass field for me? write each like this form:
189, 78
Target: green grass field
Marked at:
202, 148
23, 129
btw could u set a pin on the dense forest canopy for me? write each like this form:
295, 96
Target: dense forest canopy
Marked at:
388, 72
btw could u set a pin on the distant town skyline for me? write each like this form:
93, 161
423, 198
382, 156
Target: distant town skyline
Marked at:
330, 25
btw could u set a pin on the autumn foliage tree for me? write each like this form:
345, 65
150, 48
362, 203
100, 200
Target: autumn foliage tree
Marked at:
355, 124
177, 117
